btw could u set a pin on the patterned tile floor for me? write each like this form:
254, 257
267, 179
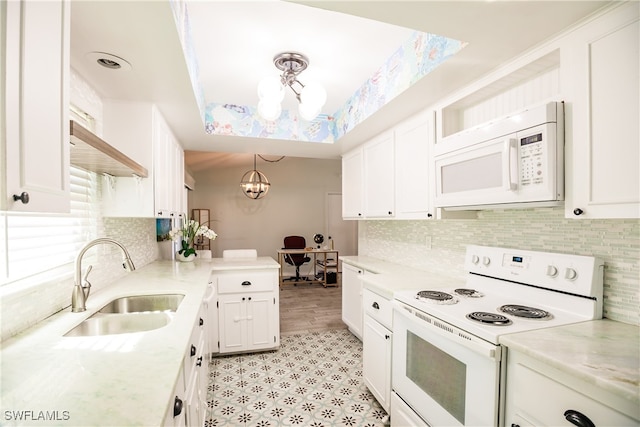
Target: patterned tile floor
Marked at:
312, 380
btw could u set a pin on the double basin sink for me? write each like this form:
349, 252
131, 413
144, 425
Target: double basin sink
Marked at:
136, 313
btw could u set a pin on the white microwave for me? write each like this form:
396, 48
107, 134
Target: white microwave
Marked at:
515, 162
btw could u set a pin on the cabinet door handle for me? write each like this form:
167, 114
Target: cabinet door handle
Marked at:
577, 418
375, 305
23, 197
578, 211
177, 407
199, 362
201, 321
193, 350
246, 283
386, 337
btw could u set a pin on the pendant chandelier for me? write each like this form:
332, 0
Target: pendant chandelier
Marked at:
254, 183
311, 97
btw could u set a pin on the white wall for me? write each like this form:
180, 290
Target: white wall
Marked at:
295, 204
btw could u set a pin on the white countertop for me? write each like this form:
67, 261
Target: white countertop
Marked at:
602, 352
220, 264
124, 379
389, 277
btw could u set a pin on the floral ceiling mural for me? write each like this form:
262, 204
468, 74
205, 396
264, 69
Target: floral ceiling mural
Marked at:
417, 57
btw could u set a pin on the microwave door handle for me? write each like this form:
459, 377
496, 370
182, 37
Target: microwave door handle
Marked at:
509, 161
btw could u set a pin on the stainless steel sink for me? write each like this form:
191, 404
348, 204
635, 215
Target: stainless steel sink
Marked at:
144, 303
112, 324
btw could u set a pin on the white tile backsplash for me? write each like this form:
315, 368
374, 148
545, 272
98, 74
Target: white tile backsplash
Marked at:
616, 241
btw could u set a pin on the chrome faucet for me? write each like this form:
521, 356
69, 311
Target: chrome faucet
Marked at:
82, 287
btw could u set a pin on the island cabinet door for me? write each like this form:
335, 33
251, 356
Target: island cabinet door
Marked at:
233, 323
260, 324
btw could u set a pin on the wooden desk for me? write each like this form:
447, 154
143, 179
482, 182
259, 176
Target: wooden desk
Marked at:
322, 261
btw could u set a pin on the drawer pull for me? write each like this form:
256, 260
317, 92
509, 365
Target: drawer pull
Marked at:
246, 283
177, 407
577, 418
199, 362
193, 350
375, 305
201, 321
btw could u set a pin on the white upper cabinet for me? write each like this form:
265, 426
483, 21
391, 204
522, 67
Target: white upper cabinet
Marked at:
142, 134
352, 184
390, 176
379, 176
603, 75
413, 170
34, 106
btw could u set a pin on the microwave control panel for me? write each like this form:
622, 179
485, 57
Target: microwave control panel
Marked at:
532, 159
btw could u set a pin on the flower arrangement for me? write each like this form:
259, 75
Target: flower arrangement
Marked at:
188, 231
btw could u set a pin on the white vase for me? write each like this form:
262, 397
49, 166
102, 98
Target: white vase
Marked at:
183, 258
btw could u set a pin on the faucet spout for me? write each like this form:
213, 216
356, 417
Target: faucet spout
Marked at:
82, 287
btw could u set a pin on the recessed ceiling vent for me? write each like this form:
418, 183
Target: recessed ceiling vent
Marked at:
109, 61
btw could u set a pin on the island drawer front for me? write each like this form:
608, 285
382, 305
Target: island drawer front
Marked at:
378, 307
246, 282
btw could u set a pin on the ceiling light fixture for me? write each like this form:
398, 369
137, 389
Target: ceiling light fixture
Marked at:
311, 97
254, 183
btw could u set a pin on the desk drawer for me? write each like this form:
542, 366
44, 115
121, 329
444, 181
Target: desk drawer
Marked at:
247, 282
378, 308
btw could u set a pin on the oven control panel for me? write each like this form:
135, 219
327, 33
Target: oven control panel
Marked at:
576, 274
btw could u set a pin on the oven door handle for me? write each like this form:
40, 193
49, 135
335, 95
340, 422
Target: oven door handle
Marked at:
450, 332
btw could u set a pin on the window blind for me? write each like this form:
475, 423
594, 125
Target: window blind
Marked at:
35, 243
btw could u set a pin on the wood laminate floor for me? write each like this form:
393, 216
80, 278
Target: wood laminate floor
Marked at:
310, 308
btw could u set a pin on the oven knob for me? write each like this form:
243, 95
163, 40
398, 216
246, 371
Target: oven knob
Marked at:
486, 260
570, 274
475, 259
552, 271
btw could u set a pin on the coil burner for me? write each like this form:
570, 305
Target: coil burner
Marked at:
526, 312
469, 293
489, 318
437, 297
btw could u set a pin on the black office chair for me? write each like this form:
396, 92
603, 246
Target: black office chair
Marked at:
296, 242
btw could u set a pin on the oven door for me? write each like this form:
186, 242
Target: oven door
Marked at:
448, 377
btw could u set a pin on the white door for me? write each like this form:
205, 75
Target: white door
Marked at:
343, 233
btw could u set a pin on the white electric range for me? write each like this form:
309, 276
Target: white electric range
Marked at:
447, 359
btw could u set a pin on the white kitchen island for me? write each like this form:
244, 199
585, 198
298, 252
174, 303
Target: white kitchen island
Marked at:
247, 301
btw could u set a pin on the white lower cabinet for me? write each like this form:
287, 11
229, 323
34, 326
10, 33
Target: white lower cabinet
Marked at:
176, 413
188, 404
540, 395
248, 310
352, 298
376, 347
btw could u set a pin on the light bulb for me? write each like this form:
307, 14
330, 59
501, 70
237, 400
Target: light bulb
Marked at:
270, 89
269, 110
313, 94
308, 111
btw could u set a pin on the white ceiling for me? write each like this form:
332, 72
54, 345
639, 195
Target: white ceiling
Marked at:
346, 41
